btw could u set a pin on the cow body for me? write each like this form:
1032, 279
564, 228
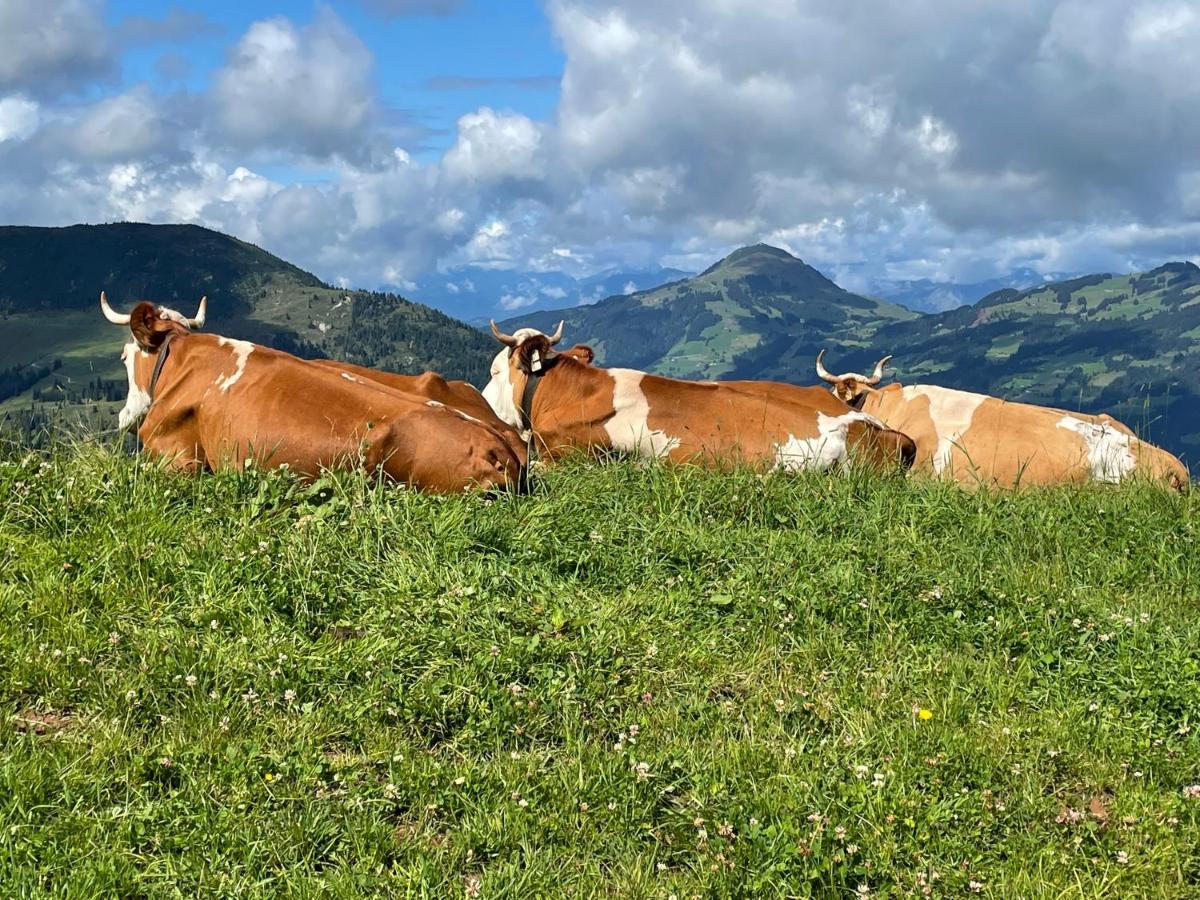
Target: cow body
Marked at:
458, 395
221, 403
579, 406
976, 439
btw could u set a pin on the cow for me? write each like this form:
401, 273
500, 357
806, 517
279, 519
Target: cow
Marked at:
568, 404
209, 402
976, 439
459, 395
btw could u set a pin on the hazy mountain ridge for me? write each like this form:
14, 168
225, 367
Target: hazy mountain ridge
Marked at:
476, 294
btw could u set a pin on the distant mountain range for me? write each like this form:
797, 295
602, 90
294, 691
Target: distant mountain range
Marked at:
1122, 343
926, 295
476, 294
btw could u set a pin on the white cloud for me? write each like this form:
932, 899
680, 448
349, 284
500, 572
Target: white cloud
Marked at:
309, 89
52, 45
492, 147
127, 126
19, 118
516, 301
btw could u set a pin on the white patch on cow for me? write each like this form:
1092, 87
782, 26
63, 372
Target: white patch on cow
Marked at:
433, 403
951, 412
498, 392
241, 351
350, 377
1110, 452
826, 449
629, 428
138, 401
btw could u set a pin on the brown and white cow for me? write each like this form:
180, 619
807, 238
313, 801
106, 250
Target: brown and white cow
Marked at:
977, 439
208, 402
570, 404
459, 395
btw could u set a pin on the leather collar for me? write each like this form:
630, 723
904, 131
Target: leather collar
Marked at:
159, 362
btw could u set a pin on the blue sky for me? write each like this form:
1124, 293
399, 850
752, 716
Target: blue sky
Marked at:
376, 142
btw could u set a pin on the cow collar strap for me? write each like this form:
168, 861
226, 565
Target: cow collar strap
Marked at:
159, 362
527, 395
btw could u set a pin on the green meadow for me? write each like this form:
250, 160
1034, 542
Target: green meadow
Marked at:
639, 681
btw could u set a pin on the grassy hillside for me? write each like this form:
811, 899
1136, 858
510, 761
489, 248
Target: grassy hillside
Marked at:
759, 310
60, 360
1124, 344
639, 682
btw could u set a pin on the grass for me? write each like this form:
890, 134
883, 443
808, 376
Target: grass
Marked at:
640, 682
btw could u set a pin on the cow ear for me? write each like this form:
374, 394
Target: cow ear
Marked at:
583, 353
143, 323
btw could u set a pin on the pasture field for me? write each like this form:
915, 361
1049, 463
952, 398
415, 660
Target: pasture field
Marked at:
639, 682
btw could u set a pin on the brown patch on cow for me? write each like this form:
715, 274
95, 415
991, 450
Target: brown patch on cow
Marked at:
41, 723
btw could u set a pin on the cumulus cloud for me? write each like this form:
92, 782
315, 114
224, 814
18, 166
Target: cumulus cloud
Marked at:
52, 46
126, 126
308, 89
493, 147
19, 117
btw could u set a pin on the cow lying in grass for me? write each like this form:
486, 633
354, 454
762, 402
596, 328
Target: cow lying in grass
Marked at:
569, 404
208, 402
459, 395
977, 439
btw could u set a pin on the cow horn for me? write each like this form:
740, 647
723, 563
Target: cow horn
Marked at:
878, 374
506, 339
197, 321
823, 373
557, 336
112, 315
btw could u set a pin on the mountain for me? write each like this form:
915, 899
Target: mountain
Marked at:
760, 312
1126, 344
926, 295
58, 356
476, 294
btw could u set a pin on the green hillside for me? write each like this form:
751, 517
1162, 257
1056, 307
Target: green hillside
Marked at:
59, 358
1126, 344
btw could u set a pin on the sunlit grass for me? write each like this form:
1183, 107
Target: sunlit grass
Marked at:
639, 681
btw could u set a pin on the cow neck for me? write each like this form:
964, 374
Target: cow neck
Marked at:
163, 351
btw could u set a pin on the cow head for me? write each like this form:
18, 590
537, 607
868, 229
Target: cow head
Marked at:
527, 354
851, 388
149, 326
